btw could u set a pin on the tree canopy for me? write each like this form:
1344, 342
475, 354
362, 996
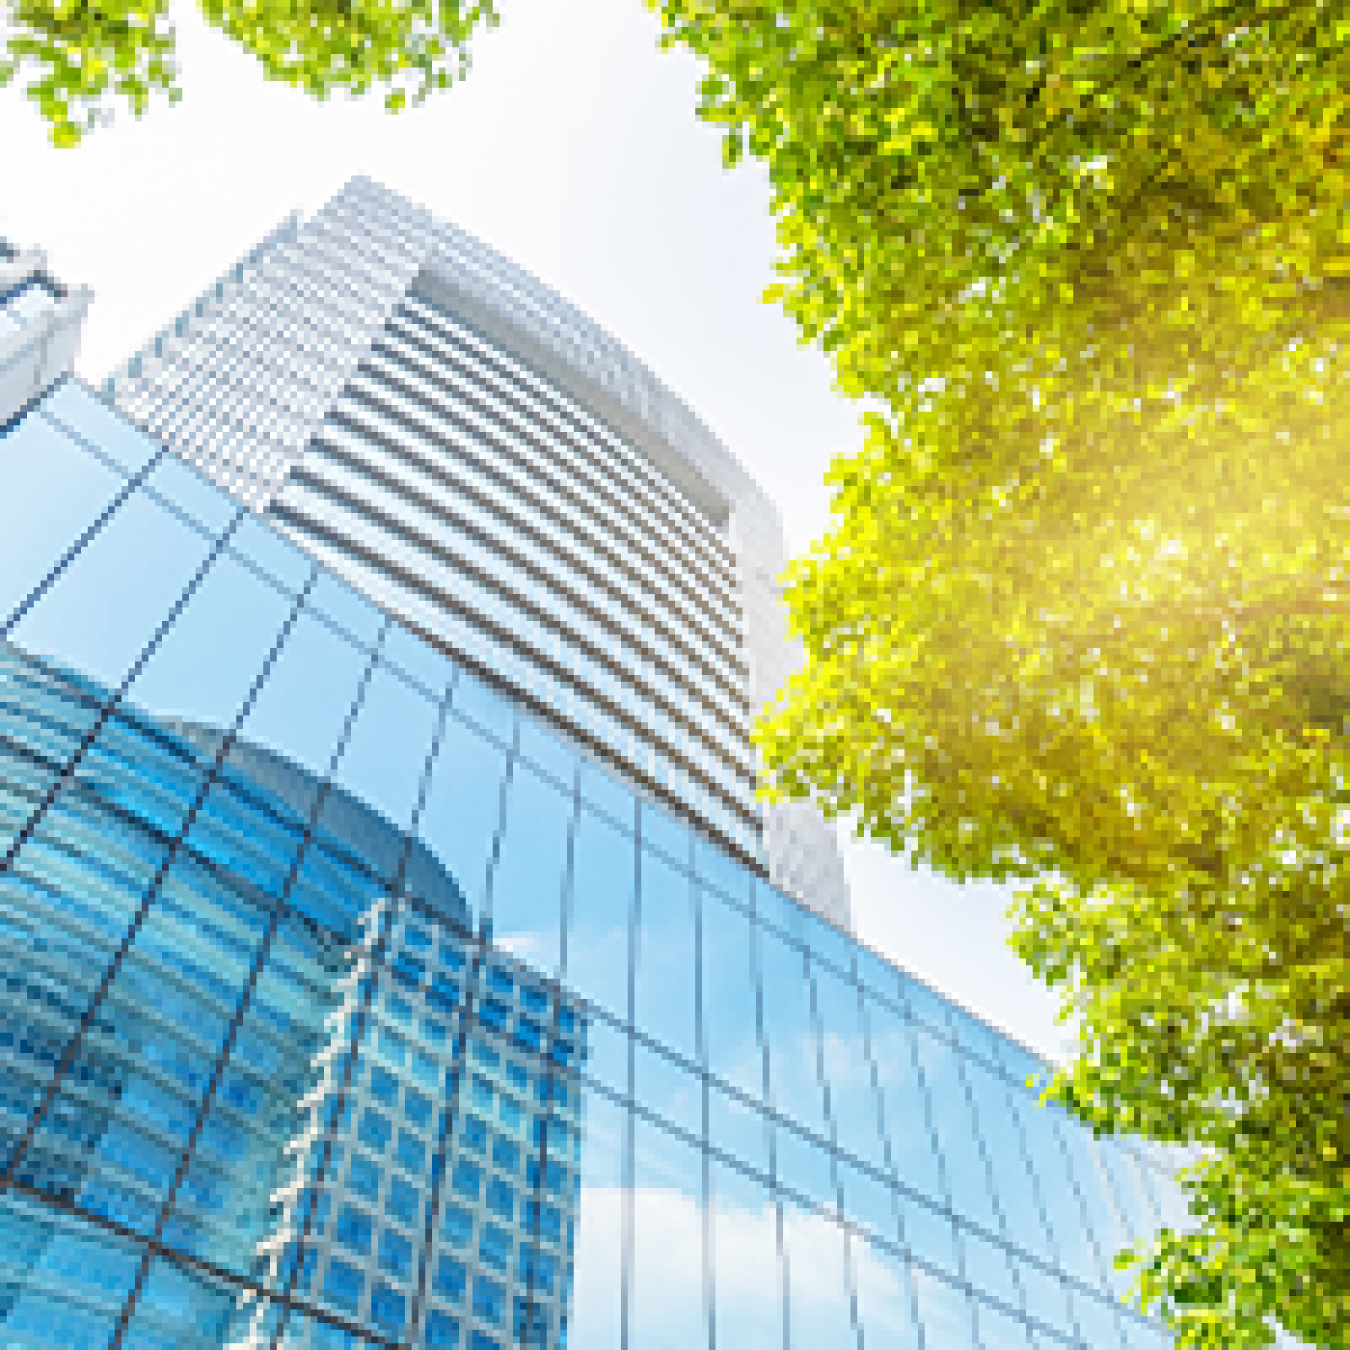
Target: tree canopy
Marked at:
1081, 617
78, 59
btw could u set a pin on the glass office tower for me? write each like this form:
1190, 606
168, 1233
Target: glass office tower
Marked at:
481, 459
346, 1003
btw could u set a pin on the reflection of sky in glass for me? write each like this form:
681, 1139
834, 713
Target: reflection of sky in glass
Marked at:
753, 1040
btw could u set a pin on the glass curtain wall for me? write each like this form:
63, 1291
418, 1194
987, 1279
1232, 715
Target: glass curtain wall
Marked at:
341, 1004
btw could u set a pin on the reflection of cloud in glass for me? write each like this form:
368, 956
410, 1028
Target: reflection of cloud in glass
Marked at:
667, 1291
524, 946
846, 1066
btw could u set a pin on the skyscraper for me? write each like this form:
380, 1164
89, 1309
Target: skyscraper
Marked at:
477, 456
345, 1002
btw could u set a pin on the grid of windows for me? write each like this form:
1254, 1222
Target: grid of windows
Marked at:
342, 1004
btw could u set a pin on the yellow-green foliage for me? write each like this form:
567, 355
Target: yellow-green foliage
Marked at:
1081, 617
78, 59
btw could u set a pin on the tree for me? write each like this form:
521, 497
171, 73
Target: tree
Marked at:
82, 57
1081, 619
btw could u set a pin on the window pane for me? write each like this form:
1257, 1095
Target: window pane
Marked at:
666, 1303
204, 667
666, 956
885, 1297
105, 607
966, 1173
747, 1270
527, 882
53, 492
944, 1312
85, 415
794, 1070
463, 807
1073, 1246
730, 1030
818, 1289
667, 1089
738, 1129
178, 1307
848, 1072
599, 1232
75, 1278
300, 714
603, 867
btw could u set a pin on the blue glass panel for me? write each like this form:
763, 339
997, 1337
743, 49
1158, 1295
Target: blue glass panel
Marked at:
718, 869
222, 1213
944, 1312
663, 1087
263, 548
966, 1173
1044, 1296
84, 414
730, 1018
1096, 1320
826, 942
178, 1307
190, 493
598, 1256
604, 792
926, 1005
463, 807
930, 1236
1072, 1242
773, 907
106, 606
75, 1278
527, 882
207, 662
854, 1107
549, 753
738, 1130
747, 1274
352, 613
430, 669
603, 875
869, 1201
1124, 1186
988, 1268
487, 709
53, 492
803, 1167
1080, 1149
666, 956
818, 1288
607, 1055
386, 753
877, 974
1005, 1119
999, 1328
343, 1285
666, 1294
794, 1065
300, 714
885, 1298
974, 1036
662, 831
442, 1332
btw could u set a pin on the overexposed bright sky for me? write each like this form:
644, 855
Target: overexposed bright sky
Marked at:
573, 148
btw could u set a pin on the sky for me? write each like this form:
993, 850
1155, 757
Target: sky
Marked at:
573, 148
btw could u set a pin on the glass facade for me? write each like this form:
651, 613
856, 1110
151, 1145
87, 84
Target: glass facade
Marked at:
344, 1004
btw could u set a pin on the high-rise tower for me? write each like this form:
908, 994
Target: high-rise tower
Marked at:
476, 455
346, 1005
